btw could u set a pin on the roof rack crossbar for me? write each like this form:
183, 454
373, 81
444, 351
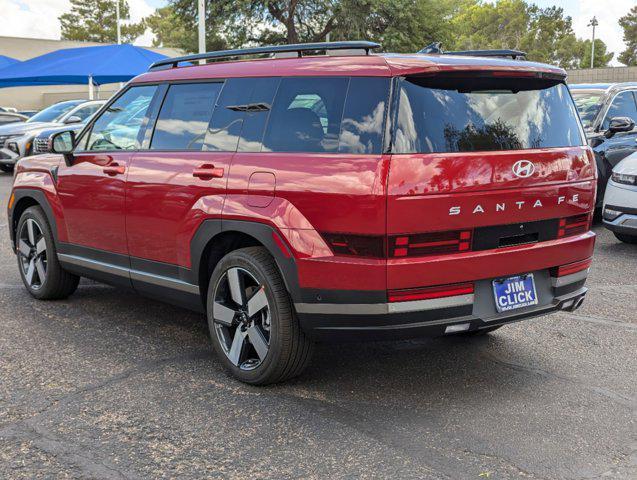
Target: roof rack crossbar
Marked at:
298, 48
436, 48
489, 53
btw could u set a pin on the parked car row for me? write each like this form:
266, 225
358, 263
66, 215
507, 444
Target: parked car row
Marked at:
31, 136
609, 114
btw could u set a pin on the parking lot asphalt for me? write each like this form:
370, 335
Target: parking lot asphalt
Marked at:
108, 384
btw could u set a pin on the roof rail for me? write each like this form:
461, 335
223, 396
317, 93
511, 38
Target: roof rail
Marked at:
436, 48
299, 48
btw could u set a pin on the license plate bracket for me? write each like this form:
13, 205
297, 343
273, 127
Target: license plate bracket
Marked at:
512, 293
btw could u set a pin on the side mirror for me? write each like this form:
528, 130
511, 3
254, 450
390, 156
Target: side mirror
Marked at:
73, 119
63, 142
619, 124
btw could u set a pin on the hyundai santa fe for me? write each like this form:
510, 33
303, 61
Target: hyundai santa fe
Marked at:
323, 192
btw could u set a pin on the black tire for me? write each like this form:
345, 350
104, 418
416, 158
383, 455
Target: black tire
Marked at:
478, 333
57, 282
288, 349
632, 239
6, 168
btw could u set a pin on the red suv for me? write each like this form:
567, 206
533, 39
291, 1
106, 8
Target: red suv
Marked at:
325, 192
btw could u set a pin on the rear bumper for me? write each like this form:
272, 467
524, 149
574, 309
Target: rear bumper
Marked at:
358, 321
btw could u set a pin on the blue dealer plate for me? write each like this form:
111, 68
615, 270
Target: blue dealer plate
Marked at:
514, 292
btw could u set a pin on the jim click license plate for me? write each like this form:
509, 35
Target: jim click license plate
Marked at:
514, 292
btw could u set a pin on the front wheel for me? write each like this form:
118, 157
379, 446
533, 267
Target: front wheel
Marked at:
6, 168
252, 322
626, 238
41, 273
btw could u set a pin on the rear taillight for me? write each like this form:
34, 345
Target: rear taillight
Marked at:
356, 245
571, 268
428, 293
575, 225
435, 243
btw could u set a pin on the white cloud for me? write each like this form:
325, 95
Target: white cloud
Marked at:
39, 18
608, 14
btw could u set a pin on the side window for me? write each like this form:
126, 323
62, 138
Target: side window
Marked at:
120, 126
623, 106
227, 119
184, 116
363, 122
257, 113
306, 115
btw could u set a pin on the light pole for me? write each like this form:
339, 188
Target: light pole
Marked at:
119, 30
593, 23
202, 26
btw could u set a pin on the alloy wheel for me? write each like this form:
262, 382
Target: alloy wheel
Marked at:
242, 318
32, 253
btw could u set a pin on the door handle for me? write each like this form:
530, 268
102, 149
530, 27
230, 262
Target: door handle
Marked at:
114, 169
206, 172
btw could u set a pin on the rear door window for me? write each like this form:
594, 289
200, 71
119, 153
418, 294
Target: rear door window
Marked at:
450, 114
623, 106
184, 116
227, 119
306, 115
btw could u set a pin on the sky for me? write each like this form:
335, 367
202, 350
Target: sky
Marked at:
38, 18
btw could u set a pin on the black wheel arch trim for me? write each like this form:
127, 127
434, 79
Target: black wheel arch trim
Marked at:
263, 233
39, 197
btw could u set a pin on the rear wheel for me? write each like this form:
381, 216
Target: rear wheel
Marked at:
626, 238
252, 323
40, 270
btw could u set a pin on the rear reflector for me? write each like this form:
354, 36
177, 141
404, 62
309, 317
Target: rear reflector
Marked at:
356, 245
434, 243
428, 293
569, 226
571, 268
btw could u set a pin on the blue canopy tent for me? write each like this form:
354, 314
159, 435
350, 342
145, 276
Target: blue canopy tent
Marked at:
80, 66
6, 61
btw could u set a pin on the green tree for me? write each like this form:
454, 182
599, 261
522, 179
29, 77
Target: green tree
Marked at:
629, 23
550, 37
95, 21
400, 25
170, 30
602, 56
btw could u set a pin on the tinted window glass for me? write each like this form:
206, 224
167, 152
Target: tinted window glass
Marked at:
588, 105
184, 116
306, 115
54, 112
364, 116
441, 114
257, 114
85, 112
227, 119
119, 127
623, 106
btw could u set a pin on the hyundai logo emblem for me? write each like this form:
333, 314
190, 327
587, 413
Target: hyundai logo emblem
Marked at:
523, 168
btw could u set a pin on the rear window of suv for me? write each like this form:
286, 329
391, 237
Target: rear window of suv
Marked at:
451, 114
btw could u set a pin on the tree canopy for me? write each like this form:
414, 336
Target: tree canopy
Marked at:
629, 24
546, 34
96, 21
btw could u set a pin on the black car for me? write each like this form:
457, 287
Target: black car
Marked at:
609, 113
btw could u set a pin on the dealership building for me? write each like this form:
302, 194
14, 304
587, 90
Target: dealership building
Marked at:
35, 98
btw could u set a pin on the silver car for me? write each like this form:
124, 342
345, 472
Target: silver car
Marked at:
16, 140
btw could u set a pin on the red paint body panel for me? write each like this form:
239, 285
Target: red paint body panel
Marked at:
165, 203
461, 267
93, 200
